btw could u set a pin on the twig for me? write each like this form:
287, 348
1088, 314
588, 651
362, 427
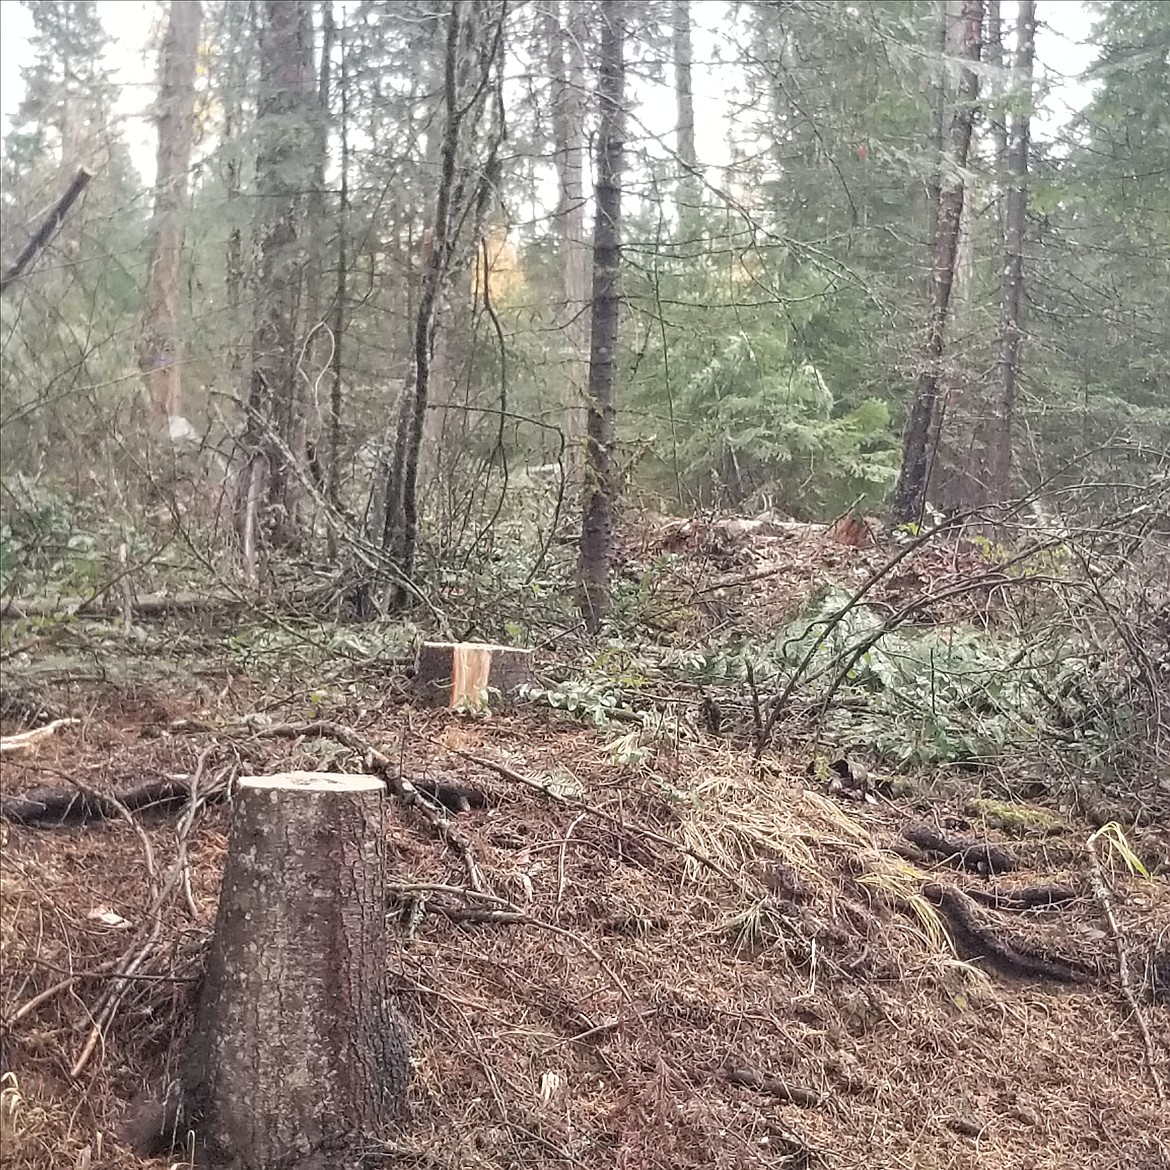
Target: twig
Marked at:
561, 858
399, 785
619, 822
1105, 901
757, 716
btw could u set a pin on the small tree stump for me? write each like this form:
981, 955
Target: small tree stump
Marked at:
458, 674
298, 1058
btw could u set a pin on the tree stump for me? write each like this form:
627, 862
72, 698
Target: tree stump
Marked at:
458, 674
298, 1058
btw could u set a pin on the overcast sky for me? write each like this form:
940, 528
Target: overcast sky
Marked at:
1062, 55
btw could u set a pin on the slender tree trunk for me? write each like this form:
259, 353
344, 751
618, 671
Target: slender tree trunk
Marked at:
319, 346
600, 485
159, 355
274, 429
688, 186
439, 365
1016, 211
910, 494
566, 42
338, 323
995, 57
400, 530
938, 130
473, 46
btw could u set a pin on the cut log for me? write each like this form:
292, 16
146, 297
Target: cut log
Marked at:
459, 674
299, 1060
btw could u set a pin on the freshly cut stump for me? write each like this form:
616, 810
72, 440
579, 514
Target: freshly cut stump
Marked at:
458, 674
298, 1058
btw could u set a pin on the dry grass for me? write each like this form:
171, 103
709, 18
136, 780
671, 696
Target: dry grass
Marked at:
807, 952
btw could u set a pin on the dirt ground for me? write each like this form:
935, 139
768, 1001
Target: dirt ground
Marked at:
713, 963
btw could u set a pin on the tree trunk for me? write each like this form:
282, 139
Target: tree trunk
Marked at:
298, 1058
400, 526
997, 120
600, 485
338, 323
966, 17
688, 187
274, 431
159, 354
473, 45
1013, 260
566, 41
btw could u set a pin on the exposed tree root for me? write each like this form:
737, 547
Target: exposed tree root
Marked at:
976, 938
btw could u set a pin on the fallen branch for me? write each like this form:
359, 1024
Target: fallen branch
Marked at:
56, 808
23, 741
1105, 902
432, 809
148, 605
753, 1078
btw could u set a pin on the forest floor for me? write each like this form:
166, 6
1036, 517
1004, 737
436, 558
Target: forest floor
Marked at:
708, 960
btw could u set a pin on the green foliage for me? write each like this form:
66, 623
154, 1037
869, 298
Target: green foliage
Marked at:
50, 538
589, 701
927, 696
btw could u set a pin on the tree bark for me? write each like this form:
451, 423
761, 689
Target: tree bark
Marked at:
966, 17
600, 485
472, 51
400, 528
336, 392
159, 354
298, 1058
274, 431
566, 40
688, 187
1015, 214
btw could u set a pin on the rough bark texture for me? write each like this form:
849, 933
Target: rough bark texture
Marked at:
1015, 213
159, 353
909, 496
688, 188
455, 674
274, 431
336, 392
566, 37
299, 1058
600, 485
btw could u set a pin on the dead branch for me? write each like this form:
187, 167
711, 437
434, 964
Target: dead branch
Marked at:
619, 823
56, 808
1105, 901
49, 225
763, 1082
148, 605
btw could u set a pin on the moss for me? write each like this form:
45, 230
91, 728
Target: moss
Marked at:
1017, 820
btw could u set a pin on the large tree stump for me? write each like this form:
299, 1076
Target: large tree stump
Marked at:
299, 1058
459, 674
